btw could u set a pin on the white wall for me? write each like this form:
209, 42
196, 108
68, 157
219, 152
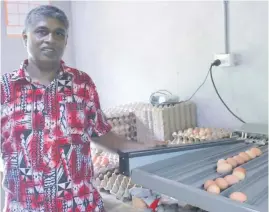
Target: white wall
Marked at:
131, 49
13, 50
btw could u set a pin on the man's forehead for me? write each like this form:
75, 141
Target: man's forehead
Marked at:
51, 23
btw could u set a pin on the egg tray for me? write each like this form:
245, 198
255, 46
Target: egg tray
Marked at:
112, 166
123, 120
186, 137
158, 123
124, 125
116, 184
182, 178
144, 122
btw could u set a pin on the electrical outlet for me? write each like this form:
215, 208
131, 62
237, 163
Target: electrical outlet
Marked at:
226, 60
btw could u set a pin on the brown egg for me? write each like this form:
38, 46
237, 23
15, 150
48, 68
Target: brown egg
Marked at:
257, 151
94, 158
208, 183
239, 160
224, 168
231, 179
251, 154
240, 169
221, 161
213, 189
195, 131
221, 183
239, 174
238, 196
244, 156
232, 162
104, 161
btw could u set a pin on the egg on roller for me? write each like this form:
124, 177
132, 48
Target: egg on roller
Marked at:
240, 169
244, 156
232, 162
251, 154
238, 196
208, 183
257, 151
239, 174
231, 179
221, 183
220, 161
239, 160
213, 189
224, 168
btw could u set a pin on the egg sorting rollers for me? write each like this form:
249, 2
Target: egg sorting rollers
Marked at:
232, 177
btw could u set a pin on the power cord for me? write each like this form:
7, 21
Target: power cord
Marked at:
198, 87
217, 63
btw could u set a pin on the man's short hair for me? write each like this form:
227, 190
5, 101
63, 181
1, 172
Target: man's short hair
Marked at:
45, 11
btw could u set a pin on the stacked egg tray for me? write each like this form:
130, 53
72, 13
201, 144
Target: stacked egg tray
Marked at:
183, 178
144, 122
114, 183
103, 161
123, 122
107, 177
198, 135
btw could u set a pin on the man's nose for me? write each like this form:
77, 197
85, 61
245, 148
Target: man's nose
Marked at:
50, 38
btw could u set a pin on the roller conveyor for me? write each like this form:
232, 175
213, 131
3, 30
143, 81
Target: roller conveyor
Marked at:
182, 177
131, 158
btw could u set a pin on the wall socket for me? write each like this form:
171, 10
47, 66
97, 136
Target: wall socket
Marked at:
227, 60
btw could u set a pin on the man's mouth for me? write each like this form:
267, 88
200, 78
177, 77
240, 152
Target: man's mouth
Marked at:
48, 49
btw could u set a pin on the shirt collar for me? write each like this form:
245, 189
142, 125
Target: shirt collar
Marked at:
21, 73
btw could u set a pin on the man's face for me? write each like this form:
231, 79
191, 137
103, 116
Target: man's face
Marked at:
46, 40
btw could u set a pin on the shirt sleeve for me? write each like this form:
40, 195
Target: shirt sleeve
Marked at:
97, 123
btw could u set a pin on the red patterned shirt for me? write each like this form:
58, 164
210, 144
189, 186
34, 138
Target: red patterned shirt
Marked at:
45, 142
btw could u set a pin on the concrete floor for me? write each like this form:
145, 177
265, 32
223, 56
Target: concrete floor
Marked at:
114, 205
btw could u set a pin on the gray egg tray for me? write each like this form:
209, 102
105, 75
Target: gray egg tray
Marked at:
182, 178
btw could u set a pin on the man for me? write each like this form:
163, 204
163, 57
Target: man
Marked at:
49, 113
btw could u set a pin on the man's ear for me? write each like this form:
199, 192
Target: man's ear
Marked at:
66, 40
24, 38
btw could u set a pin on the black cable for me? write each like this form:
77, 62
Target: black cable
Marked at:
198, 87
217, 63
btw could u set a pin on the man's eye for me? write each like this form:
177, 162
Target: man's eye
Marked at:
42, 32
60, 34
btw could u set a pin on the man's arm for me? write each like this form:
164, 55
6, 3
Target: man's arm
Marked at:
101, 130
115, 142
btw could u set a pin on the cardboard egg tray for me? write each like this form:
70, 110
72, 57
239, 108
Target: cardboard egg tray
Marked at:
122, 121
116, 184
182, 178
99, 167
144, 122
192, 136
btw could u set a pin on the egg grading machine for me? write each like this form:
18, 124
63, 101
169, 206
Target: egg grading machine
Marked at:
182, 176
